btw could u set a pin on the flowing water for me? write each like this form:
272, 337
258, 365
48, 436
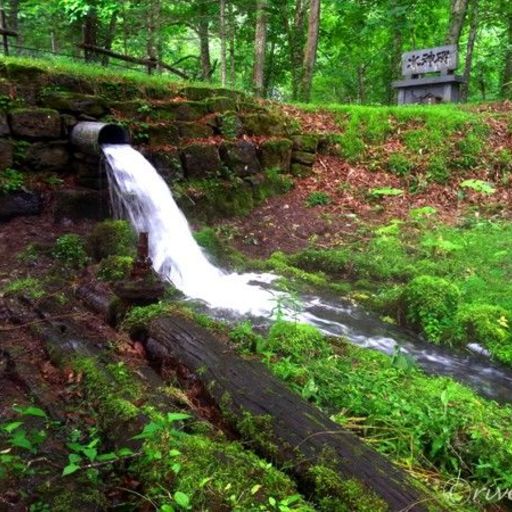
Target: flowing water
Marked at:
140, 194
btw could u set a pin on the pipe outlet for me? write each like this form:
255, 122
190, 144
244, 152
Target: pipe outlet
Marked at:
88, 136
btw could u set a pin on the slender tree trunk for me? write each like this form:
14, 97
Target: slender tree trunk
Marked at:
474, 18
153, 15
506, 86
361, 89
14, 9
109, 36
90, 33
457, 15
232, 35
310, 50
295, 38
260, 45
269, 75
223, 49
203, 32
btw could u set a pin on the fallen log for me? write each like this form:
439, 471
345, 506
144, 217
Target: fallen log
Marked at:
287, 429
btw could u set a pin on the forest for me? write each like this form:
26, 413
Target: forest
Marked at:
256, 256
327, 51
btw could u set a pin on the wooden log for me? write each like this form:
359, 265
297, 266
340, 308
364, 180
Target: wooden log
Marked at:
298, 435
135, 60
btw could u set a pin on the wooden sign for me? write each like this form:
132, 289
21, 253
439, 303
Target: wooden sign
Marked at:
441, 59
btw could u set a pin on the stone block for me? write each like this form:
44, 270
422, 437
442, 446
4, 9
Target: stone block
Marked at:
35, 123
240, 157
197, 93
4, 125
220, 104
163, 134
20, 203
75, 103
301, 157
167, 163
52, 156
77, 204
201, 161
194, 130
305, 142
276, 154
229, 125
300, 170
263, 124
6, 154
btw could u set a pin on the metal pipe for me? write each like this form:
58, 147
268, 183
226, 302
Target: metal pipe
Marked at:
89, 136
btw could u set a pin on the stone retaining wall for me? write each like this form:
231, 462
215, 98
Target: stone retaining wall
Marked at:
193, 136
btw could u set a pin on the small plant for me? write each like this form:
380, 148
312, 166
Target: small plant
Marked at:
317, 199
399, 164
111, 238
11, 181
70, 250
479, 186
386, 192
431, 304
28, 286
53, 181
115, 268
437, 169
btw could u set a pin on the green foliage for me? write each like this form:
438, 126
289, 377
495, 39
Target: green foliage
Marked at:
437, 169
447, 427
11, 181
115, 268
111, 238
139, 317
70, 250
399, 164
470, 148
386, 192
29, 286
478, 186
431, 304
317, 198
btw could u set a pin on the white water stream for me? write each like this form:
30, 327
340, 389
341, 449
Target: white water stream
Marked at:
140, 194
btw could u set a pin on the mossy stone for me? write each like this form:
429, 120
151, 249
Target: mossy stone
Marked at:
6, 154
167, 163
230, 125
301, 157
163, 134
276, 154
77, 204
201, 161
52, 156
197, 93
75, 103
263, 124
220, 104
240, 157
300, 170
194, 130
35, 123
305, 142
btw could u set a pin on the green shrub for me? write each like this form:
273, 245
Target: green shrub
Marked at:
352, 146
332, 262
26, 286
437, 169
385, 192
317, 199
207, 238
10, 181
70, 250
399, 164
486, 324
115, 268
431, 304
111, 238
469, 149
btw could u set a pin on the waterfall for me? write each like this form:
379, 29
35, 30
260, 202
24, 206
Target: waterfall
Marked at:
140, 193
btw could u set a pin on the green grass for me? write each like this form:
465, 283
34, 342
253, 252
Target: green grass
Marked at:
445, 431
475, 260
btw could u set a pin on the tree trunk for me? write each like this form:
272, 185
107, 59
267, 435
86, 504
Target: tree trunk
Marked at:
289, 430
109, 36
203, 32
14, 9
90, 33
232, 36
506, 86
457, 15
153, 16
310, 50
295, 39
398, 25
223, 50
260, 44
474, 18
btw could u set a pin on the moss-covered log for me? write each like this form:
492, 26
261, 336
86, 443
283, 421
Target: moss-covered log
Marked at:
284, 427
